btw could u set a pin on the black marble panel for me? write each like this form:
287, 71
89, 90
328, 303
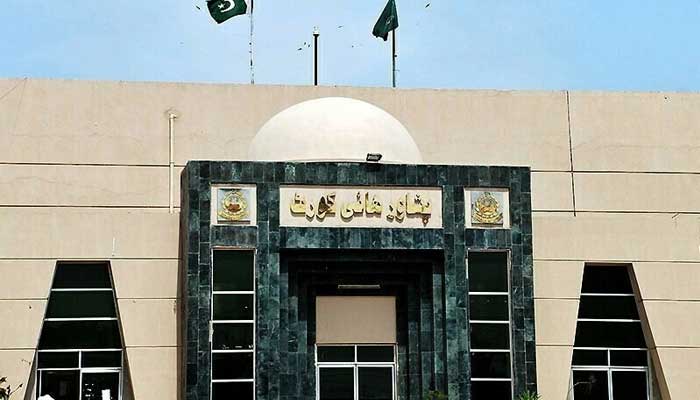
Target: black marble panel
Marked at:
433, 334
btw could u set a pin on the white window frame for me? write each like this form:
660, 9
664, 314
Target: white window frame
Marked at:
356, 365
609, 369
509, 350
607, 319
85, 318
82, 370
38, 371
212, 322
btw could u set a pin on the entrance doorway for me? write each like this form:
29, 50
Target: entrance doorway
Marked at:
363, 324
359, 372
356, 347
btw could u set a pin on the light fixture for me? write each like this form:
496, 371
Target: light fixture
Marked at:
373, 157
359, 287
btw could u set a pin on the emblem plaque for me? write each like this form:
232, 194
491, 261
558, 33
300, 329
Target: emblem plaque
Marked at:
487, 208
233, 205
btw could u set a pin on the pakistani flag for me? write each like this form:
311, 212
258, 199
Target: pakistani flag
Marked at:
222, 10
387, 22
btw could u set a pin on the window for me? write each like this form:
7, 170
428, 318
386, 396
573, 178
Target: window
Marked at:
233, 325
356, 372
80, 349
489, 326
610, 359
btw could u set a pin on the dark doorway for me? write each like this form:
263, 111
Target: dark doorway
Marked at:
414, 278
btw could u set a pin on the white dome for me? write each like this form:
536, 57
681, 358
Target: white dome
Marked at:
333, 129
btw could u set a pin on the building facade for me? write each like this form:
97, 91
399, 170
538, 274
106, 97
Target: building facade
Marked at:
193, 241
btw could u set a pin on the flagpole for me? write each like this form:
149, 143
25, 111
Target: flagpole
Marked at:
316, 34
393, 58
250, 43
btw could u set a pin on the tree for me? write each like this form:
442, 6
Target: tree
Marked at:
528, 395
6, 391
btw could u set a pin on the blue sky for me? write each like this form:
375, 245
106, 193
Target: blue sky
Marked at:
499, 44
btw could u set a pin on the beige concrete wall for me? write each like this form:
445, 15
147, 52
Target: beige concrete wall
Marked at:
84, 122
635, 169
17, 365
83, 175
18, 286
154, 372
116, 186
355, 319
682, 371
640, 132
87, 233
557, 290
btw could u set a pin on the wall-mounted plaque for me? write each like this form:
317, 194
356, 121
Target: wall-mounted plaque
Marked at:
367, 207
233, 205
487, 208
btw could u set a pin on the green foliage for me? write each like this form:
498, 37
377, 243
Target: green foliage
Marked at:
5, 389
435, 395
528, 395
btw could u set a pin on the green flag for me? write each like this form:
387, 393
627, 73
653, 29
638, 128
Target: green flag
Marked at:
222, 10
387, 22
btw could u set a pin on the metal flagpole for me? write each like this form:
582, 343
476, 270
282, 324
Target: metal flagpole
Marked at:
393, 58
316, 34
250, 43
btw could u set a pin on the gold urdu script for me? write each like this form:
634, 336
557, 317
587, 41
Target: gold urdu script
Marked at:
366, 203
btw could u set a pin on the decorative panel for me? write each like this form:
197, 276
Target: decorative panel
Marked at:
233, 205
361, 207
487, 208
432, 309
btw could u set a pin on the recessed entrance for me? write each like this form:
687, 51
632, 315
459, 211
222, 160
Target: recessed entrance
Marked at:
366, 322
356, 346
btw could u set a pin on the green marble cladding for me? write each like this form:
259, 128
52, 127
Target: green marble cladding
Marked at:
407, 275
283, 351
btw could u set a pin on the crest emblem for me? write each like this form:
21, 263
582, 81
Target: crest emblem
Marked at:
233, 205
486, 209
